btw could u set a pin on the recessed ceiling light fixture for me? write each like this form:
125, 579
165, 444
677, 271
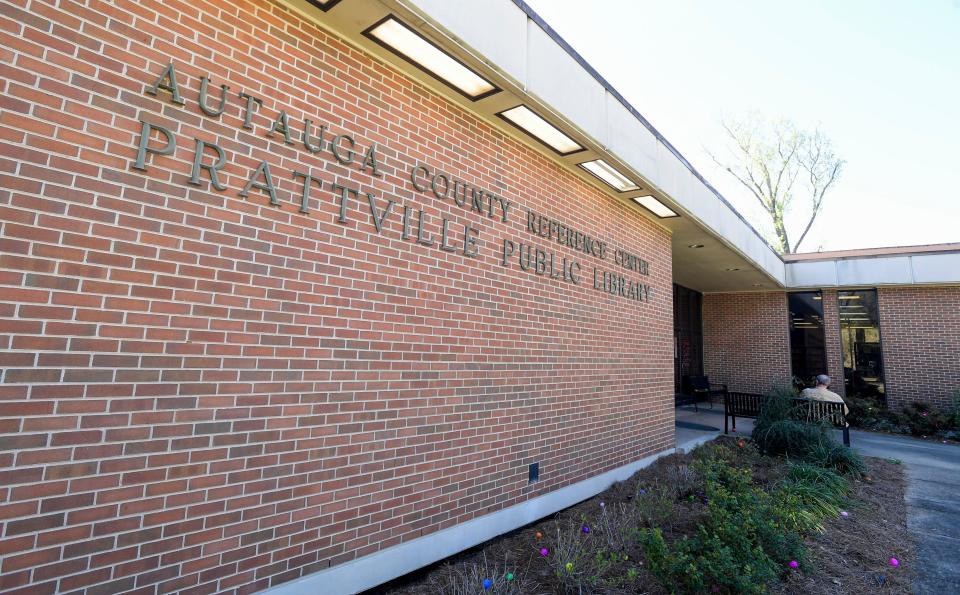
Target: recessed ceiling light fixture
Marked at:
610, 175
848, 297
732, 269
655, 206
324, 5
403, 41
525, 119
695, 246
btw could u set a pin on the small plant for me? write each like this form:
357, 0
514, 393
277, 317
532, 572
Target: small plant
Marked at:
570, 556
682, 479
583, 561
617, 525
824, 481
654, 507
468, 579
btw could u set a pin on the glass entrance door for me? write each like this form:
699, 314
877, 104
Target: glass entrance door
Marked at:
687, 335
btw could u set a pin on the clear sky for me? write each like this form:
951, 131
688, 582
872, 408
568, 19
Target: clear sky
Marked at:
881, 78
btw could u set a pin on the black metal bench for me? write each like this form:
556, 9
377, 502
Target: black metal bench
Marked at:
699, 389
738, 404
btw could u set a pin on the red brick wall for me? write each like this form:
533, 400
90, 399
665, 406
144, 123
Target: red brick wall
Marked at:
206, 393
920, 336
746, 343
831, 330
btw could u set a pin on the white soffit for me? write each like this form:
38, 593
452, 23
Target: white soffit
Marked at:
634, 142
485, 27
557, 80
542, 68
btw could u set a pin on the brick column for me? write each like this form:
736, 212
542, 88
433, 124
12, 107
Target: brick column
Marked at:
831, 329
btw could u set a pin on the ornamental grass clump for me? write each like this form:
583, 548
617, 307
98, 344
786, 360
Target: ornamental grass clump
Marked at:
808, 495
782, 429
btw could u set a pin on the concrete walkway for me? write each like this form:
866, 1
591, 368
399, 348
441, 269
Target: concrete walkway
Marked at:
933, 491
933, 504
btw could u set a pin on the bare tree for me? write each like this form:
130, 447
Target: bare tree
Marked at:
770, 158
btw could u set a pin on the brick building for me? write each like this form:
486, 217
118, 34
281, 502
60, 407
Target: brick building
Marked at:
301, 296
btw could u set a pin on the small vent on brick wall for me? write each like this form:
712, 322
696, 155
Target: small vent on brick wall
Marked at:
534, 474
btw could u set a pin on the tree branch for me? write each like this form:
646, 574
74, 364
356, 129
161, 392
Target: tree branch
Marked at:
767, 158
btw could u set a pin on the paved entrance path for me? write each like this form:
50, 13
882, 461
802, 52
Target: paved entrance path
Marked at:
933, 491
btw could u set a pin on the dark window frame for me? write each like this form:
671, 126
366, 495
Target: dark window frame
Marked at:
806, 378
879, 326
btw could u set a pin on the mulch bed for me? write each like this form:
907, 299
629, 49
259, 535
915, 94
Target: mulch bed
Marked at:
851, 556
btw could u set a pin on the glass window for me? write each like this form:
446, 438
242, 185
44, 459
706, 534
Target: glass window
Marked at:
807, 342
860, 336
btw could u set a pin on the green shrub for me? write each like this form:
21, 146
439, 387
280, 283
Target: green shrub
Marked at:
779, 430
923, 420
727, 559
868, 412
788, 437
748, 536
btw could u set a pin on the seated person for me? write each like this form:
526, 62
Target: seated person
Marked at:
823, 393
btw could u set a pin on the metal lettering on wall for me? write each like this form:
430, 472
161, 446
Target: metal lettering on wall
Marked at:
416, 224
